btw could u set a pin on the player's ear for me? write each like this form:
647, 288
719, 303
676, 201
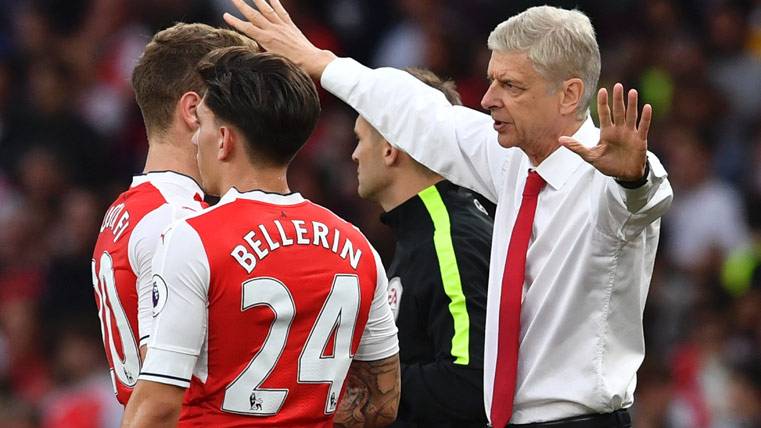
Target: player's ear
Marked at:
187, 109
390, 154
226, 139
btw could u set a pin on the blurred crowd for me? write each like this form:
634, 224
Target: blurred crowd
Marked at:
71, 137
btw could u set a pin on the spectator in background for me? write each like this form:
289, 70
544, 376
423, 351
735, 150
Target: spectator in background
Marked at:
706, 221
405, 44
745, 394
18, 414
71, 237
83, 396
735, 71
701, 373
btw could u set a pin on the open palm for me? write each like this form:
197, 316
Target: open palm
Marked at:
622, 150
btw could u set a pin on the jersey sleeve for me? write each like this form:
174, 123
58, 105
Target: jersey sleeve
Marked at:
379, 339
180, 288
141, 249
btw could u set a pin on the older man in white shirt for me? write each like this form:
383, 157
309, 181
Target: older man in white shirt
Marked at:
577, 220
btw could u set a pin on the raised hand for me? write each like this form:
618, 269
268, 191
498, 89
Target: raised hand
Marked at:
273, 29
622, 150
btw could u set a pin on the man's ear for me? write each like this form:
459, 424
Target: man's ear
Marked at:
573, 91
390, 154
188, 104
226, 142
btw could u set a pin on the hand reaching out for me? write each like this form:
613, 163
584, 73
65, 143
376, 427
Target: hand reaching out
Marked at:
273, 29
622, 150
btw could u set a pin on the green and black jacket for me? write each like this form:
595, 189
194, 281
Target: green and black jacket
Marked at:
438, 284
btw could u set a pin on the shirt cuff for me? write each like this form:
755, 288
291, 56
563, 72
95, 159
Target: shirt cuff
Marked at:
341, 76
169, 367
638, 183
637, 198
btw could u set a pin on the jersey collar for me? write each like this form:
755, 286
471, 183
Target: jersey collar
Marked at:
171, 177
262, 196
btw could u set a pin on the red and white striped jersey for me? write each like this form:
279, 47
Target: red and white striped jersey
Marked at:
263, 301
121, 265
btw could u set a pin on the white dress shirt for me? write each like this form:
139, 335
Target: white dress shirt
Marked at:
590, 259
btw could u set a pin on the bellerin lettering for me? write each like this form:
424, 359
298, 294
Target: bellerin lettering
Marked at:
259, 243
116, 220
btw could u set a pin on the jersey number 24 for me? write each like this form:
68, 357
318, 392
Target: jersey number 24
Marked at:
336, 320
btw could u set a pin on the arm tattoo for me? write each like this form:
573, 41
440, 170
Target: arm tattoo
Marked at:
372, 394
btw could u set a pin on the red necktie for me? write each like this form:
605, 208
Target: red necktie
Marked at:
510, 304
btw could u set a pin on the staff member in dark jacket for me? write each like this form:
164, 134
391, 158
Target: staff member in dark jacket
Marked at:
437, 279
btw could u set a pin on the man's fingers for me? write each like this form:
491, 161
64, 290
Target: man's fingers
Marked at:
267, 10
603, 109
618, 104
631, 109
250, 13
281, 12
244, 27
576, 147
644, 123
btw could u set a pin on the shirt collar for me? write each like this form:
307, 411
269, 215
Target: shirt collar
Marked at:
560, 164
171, 177
262, 196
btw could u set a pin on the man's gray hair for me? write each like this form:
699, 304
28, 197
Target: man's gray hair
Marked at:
560, 43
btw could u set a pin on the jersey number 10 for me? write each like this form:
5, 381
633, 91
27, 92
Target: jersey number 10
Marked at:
126, 367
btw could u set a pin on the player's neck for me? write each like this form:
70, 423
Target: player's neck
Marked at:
164, 155
266, 179
405, 189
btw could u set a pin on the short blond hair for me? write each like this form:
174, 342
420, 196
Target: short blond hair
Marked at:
167, 68
560, 43
445, 86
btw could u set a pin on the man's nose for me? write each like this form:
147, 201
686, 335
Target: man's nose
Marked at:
489, 101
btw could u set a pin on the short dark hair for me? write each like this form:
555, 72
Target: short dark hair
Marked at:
266, 96
167, 68
430, 78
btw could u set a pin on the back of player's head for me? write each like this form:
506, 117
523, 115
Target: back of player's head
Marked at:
167, 68
268, 98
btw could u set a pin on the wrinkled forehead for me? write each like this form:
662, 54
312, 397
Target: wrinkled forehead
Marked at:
511, 65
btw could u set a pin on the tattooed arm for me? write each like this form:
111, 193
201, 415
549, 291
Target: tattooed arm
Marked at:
372, 394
